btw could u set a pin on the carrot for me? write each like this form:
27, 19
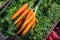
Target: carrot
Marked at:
34, 23
22, 15
29, 25
25, 6
19, 23
33, 26
26, 22
29, 19
31, 11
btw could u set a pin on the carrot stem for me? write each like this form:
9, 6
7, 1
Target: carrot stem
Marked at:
19, 23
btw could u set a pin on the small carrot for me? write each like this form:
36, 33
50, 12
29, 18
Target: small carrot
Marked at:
31, 11
33, 26
29, 25
22, 15
34, 23
26, 22
25, 6
19, 23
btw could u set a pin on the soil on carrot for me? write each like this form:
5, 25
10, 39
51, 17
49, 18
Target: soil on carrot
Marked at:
48, 13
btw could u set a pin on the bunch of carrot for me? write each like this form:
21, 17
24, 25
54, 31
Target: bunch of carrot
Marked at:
26, 20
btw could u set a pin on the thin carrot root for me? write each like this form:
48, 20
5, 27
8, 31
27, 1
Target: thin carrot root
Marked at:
33, 26
28, 26
19, 24
25, 6
22, 15
18, 32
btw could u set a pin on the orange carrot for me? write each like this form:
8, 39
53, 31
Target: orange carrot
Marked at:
26, 22
29, 25
33, 26
19, 23
34, 23
31, 11
29, 19
22, 15
25, 6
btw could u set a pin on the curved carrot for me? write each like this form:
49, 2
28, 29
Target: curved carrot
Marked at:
25, 6
22, 15
28, 26
26, 22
